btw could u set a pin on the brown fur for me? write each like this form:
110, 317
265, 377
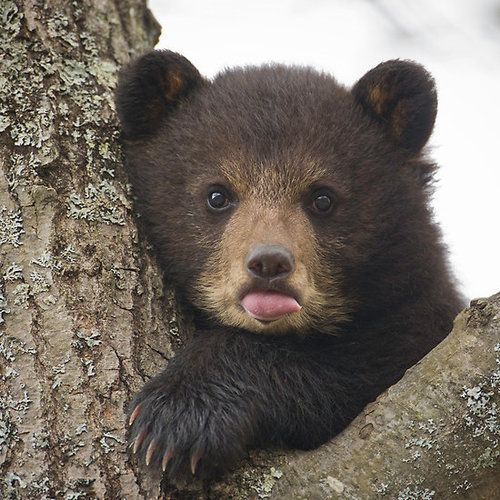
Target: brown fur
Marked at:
372, 270
378, 97
270, 214
173, 87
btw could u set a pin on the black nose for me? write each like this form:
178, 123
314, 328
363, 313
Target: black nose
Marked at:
270, 262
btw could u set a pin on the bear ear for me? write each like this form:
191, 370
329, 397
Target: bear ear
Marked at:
150, 87
401, 97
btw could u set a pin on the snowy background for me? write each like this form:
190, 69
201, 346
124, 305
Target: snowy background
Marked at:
457, 40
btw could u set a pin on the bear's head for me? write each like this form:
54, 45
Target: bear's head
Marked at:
277, 199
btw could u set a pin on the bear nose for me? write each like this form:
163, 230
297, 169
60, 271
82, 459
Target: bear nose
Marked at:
270, 262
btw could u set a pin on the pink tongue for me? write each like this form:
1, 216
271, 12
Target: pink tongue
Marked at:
269, 306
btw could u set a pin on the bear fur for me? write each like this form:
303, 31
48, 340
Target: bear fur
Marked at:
321, 197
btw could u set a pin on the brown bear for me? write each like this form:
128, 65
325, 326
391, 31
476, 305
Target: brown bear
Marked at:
292, 215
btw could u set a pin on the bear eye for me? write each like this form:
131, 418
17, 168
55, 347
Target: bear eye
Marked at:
218, 198
322, 201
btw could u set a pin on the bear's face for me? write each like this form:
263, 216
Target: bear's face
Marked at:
269, 192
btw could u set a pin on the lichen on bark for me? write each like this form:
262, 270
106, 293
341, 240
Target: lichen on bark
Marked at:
81, 301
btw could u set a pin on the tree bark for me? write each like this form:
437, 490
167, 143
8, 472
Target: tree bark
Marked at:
84, 321
83, 318
433, 435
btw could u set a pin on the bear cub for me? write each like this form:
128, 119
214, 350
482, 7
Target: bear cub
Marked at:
292, 215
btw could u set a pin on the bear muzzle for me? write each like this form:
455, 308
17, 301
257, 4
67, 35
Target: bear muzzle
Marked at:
269, 266
270, 263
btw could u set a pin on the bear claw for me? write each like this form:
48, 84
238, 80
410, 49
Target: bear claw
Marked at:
150, 451
194, 462
134, 415
138, 441
170, 431
166, 458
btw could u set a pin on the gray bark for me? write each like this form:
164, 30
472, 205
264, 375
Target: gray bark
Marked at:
84, 321
433, 435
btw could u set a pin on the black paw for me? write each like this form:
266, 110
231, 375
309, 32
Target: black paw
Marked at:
188, 432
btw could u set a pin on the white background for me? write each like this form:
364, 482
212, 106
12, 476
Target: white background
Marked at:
457, 40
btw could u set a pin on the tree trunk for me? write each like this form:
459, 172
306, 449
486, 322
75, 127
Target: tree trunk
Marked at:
83, 319
84, 322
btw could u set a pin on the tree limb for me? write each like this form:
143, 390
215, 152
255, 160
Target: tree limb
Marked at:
435, 434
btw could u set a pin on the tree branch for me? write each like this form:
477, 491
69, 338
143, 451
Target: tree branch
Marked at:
435, 434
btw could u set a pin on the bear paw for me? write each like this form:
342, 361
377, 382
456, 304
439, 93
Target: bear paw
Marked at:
186, 434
